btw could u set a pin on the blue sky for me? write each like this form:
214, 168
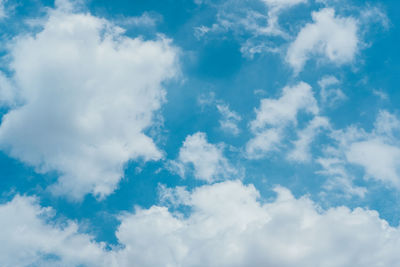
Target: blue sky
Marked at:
199, 133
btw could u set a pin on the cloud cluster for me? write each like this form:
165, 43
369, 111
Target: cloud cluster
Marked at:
86, 95
207, 160
228, 226
254, 22
331, 37
30, 238
377, 152
275, 115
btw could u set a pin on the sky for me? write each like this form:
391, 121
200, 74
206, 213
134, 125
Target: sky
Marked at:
199, 133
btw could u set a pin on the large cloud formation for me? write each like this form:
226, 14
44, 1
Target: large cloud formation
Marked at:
229, 225
86, 94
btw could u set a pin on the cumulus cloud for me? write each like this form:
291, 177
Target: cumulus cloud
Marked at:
274, 115
208, 161
7, 92
381, 161
377, 152
228, 225
330, 36
88, 94
29, 238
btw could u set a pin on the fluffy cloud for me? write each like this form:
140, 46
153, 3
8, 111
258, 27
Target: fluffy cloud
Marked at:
301, 151
274, 115
208, 161
30, 239
7, 92
381, 161
378, 152
88, 93
229, 225
332, 37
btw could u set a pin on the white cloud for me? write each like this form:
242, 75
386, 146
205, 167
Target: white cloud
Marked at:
145, 20
264, 142
340, 180
252, 22
274, 115
208, 161
29, 238
281, 111
229, 120
7, 92
386, 125
229, 226
381, 161
88, 95
329, 94
378, 152
332, 37
301, 151
283, 3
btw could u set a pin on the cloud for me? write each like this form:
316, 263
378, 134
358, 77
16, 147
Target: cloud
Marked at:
381, 161
29, 238
209, 163
229, 120
330, 36
3, 9
228, 225
329, 94
377, 152
255, 23
274, 115
339, 180
145, 20
88, 94
7, 92
301, 151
